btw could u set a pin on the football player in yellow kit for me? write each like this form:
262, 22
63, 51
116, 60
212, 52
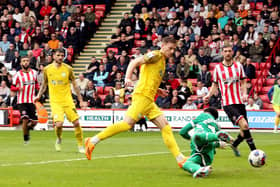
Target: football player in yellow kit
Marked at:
58, 76
151, 74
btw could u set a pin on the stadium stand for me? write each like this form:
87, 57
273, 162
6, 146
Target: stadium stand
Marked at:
116, 32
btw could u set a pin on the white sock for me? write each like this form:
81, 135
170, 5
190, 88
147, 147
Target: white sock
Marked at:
58, 141
94, 140
180, 157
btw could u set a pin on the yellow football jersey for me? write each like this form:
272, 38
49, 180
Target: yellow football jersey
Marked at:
59, 80
151, 74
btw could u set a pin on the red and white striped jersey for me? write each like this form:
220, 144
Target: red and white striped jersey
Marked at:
27, 81
229, 79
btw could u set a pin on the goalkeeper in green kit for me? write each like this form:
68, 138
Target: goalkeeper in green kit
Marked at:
205, 136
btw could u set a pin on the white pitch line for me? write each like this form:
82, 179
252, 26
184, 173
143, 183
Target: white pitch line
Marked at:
78, 159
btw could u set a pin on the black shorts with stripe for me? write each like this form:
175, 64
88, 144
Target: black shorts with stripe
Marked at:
235, 112
27, 111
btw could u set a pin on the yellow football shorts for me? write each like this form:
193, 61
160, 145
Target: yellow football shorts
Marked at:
58, 111
276, 108
143, 106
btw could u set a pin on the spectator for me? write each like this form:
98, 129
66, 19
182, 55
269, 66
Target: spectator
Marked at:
91, 68
258, 100
4, 74
171, 29
183, 69
112, 76
4, 45
274, 71
12, 100
24, 50
202, 58
17, 43
249, 69
109, 99
174, 103
143, 48
53, 43
89, 90
73, 39
125, 22
201, 91
137, 53
204, 76
46, 9
204, 104
182, 30
194, 69
82, 83
117, 103
137, 7
100, 76
4, 90
17, 16
251, 36
123, 44
190, 57
122, 65
64, 14
118, 90
95, 101
10, 55
244, 49
173, 82
119, 78
137, 24
223, 20
184, 92
70, 7
16, 62
256, 51
171, 66
190, 105
251, 105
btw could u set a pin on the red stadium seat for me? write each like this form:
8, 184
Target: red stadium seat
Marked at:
264, 98
256, 64
264, 65
106, 89
114, 49
102, 97
137, 43
100, 13
194, 97
252, 5
259, 5
267, 106
193, 81
265, 89
256, 12
253, 81
100, 7
99, 90
96, 21
137, 36
194, 88
270, 82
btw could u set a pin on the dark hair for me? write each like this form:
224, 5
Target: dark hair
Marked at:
227, 45
24, 57
59, 50
168, 39
212, 111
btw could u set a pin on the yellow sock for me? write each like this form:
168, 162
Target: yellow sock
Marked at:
79, 135
58, 132
277, 120
113, 129
170, 141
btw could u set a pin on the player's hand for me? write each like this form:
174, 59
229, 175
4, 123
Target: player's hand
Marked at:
223, 144
162, 92
36, 99
245, 98
128, 82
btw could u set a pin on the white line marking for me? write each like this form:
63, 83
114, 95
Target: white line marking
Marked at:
78, 159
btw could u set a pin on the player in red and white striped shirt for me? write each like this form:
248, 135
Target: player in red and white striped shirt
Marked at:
230, 78
25, 83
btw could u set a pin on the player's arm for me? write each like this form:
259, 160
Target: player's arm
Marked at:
43, 87
15, 84
213, 89
75, 86
132, 65
184, 132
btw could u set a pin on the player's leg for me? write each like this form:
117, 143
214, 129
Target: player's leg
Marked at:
58, 119
168, 138
246, 133
26, 136
32, 116
277, 117
194, 165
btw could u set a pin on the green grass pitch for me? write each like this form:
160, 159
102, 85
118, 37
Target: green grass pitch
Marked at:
128, 159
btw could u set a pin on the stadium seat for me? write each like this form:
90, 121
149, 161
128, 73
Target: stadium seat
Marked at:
256, 64
252, 5
267, 106
265, 89
100, 7
100, 13
194, 88
96, 21
193, 81
102, 97
86, 6
263, 65
194, 97
256, 12
258, 73
106, 89
137, 43
270, 82
99, 90
253, 81
137, 36
114, 49
264, 98
259, 6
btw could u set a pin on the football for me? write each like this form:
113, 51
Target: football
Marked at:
257, 158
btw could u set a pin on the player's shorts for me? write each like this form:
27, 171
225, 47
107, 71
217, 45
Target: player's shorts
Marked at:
27, 111
235, 112
143, 106
58, 111
276, 108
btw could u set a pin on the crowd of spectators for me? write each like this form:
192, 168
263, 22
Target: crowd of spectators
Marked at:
35, 28
201, 28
